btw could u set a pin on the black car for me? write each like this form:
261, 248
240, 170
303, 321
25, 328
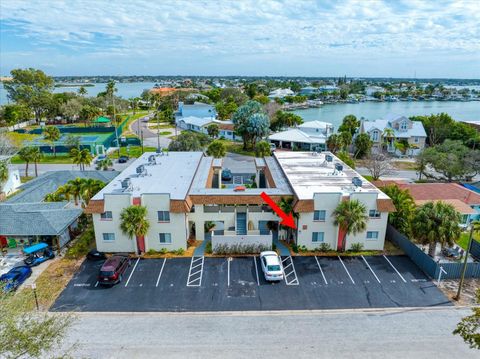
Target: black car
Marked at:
226, 175
95, 255
123, 159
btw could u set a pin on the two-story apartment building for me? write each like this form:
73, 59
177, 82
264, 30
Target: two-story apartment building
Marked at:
185, 197
385, 132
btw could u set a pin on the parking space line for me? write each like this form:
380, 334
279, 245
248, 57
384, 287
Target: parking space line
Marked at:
161, 271
394, 268
346, 270
229, 259
321, 271
96, 284
193, 280
256, 269
133, 270
371, 270
294, 281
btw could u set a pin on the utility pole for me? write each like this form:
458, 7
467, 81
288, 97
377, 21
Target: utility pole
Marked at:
158, 131
464, 268
142, 140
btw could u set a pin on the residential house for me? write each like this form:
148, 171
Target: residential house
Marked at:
280, 93
197, 109
309, 90
309, 136
200, 124
370, 90
184, 196
392, 128
465, 200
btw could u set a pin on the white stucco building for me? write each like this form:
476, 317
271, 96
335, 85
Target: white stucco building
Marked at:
184, 196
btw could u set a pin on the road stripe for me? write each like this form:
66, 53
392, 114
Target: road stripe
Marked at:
133, 270
394, 268
346, 270
371, 270
161, 271
294, 281
195, 282
256, 269
96, 284
321, 271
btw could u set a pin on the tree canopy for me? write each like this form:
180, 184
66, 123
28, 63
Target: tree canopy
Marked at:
251, 123
349, 124
217, 149
189, 141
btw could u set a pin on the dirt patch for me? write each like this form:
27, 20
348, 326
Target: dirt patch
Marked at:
470, 286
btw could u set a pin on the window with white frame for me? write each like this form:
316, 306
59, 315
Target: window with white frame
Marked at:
319, 215
404, 125
106, 216
163, 216
318, 236
165, 238
108, 236
373, 213
372, 235
375, 136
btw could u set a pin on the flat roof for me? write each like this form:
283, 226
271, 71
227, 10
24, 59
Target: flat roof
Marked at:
309, 173
172, 174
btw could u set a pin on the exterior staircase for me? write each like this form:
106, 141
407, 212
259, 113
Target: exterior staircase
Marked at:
241, 226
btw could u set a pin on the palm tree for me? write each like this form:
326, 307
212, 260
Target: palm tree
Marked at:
82, 91
81, 157
404, 208
388, 135
74, 189
36, 156
286, 205
52, 134
351, 218
105, 164
436, 222
89, 188
25, 155
54, 197
134, 223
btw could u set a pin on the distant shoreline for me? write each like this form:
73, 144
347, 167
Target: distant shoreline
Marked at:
74, 85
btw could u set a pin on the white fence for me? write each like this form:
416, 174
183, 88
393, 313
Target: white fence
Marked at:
17, 126
231, 243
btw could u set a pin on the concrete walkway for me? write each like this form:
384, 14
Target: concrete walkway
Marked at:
281, 248
200, 250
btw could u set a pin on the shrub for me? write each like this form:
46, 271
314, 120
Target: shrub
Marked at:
274, 247
324, 247
302, 249
151, 251
81, 245
179, 251
208, 247
224, 249
163, 251
294, 247
356, 247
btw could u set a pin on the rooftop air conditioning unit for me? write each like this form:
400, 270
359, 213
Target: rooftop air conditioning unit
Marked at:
357, 182
339, 167
151, 160
126, 183
329, 158
140, 169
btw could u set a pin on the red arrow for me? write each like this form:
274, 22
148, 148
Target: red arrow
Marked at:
287, 219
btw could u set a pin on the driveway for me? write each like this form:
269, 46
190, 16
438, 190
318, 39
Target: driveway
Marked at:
237, 284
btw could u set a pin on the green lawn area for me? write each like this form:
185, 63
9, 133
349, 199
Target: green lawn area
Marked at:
463, 241
237, 147
60, 159
368, 178
134, 151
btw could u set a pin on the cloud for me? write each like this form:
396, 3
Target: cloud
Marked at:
256, 30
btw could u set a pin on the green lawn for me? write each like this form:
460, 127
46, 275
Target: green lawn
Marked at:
60, 159
135, 151
237, 147
463, 241
368, 178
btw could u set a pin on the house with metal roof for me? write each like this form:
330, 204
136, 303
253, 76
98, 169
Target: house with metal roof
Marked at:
309, 136
385, 132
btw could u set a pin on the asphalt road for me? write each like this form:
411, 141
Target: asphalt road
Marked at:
237, 284
405, 333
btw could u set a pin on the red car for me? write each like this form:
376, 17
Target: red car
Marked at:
112, 270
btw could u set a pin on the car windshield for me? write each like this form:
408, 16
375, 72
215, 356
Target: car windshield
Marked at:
106, 274
273, 268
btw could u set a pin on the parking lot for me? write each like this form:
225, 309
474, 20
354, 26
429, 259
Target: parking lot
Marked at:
232, 284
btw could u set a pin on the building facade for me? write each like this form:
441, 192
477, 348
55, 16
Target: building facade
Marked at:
186, 198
